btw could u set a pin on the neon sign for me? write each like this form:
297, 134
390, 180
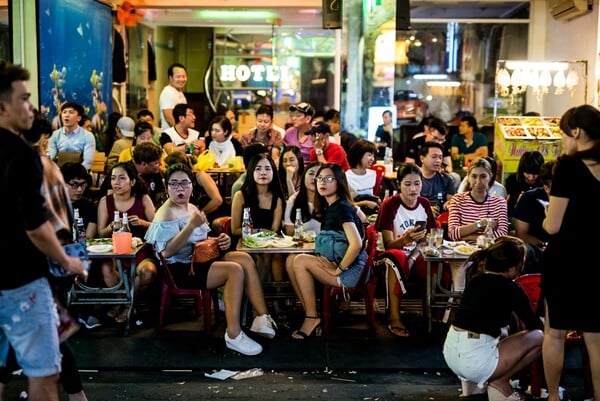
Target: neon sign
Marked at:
257, 72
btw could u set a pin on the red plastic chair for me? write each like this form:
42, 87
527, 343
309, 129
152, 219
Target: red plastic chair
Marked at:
380, 170
531, 285
170, 290
365, 287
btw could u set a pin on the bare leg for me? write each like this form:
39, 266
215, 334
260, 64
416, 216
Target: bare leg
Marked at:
232, 275
252, 284
395, 299
592, 342
516, 352
289, 267
43, 388
145, 275
109, 273
553, 356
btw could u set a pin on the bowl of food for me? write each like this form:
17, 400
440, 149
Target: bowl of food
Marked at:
264, 236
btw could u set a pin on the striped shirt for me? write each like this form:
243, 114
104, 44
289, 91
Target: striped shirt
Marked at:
465, 210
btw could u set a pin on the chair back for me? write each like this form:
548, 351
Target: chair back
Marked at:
531, 285
380, 171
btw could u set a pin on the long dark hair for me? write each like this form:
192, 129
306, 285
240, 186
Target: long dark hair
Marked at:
341, 189
504, 253
587, 118
301, 201
140, 187
249, 187
281, 171
530, 163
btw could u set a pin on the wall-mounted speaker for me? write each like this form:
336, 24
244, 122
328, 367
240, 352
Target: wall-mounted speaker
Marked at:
403, 15
332, 14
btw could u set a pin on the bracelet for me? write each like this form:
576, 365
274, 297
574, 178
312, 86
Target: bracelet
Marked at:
342, 268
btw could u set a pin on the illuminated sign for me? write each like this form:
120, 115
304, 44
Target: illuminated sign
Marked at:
256, 72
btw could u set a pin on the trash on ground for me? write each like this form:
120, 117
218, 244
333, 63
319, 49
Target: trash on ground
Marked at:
254, 372
222, 374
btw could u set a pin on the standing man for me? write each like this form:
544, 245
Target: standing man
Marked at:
71, 137
302, 115
28, 319
470, 143
172, 94
325, 151
383, 135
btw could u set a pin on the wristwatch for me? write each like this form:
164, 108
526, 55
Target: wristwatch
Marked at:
479, 224
319, 152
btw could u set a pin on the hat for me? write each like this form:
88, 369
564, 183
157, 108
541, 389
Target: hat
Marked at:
126, 125
319, 128
303, 107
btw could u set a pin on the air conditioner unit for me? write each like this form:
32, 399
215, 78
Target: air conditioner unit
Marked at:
568, 9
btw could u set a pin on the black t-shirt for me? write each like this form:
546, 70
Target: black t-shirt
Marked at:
21, 175
341, 212
529, 210
382, 136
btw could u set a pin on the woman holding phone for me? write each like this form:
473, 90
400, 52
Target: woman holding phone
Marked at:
403, 221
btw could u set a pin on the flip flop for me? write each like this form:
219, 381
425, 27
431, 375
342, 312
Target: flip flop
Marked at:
398, 331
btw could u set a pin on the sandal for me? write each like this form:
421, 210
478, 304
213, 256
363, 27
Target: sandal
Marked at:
316, 331
398, 331
114, 311
122, 317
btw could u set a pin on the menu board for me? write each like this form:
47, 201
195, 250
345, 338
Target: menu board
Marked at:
515, 135
530, 127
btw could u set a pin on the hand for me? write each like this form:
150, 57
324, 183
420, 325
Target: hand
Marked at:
224, 241
199, 145
134, 220
290, 171
77, 266
198, 218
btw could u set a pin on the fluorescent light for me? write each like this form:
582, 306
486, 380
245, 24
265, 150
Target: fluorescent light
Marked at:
430, 76
447, 84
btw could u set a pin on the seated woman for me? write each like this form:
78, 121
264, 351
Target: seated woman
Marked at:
478, 348
339, 267
471, 213
496, 188
290, 170
396, 222
527, 177
129, 195
205, 195
222, 143
361, 179
177, 226
304, 200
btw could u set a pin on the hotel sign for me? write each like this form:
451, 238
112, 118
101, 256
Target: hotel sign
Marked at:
256, 73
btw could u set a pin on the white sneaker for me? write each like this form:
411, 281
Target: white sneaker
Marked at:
243, 344
264, 325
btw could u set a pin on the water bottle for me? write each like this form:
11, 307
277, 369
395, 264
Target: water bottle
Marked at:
246, 224
298, 226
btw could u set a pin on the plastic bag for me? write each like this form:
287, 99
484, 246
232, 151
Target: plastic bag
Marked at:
205, 161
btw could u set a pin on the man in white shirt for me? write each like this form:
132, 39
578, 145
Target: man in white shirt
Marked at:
172, 94
71, 137
182, 135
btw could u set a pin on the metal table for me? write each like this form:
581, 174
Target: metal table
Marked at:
120, 294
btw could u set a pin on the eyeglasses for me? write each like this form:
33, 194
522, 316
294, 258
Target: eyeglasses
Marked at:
76, 185
182, 184
328, 179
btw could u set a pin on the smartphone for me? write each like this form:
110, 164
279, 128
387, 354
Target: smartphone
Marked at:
420, 225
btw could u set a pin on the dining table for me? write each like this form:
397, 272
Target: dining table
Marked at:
122, 293
437, 295
222, 174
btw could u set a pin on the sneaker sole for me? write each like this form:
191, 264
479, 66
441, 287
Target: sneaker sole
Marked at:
270, 336
243, 353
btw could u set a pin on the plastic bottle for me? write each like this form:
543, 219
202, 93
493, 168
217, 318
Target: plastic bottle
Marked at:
298, 226
246, 223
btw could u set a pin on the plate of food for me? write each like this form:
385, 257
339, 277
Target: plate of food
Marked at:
453, 244
283, 243
465, 250
251, 242
100, 248
264, 236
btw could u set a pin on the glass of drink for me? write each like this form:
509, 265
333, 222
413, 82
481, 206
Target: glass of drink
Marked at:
439, 237
122, 243
430, 239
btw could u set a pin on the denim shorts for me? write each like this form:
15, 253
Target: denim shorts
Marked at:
472, 357
29, 322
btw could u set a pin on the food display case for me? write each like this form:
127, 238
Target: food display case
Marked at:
515, 135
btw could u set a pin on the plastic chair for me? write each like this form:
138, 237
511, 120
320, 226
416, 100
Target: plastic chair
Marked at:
531, 285
380, 170
170, 289
365, 287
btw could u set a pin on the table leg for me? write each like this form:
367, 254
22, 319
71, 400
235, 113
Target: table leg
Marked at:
428, 298
129, 287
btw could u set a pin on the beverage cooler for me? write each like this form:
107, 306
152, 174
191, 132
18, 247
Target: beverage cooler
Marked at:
515, 135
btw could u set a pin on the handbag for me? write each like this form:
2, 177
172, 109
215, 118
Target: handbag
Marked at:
76, 249
206, 251
331, 244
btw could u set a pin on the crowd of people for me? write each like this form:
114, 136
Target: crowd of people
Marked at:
534, 223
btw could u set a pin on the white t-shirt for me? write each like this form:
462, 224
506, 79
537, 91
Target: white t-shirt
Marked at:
169, 98
178, 140
361, 184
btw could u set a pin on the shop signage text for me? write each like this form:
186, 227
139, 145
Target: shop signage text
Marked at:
257, 72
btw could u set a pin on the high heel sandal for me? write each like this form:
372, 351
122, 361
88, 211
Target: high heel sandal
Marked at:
316, 331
